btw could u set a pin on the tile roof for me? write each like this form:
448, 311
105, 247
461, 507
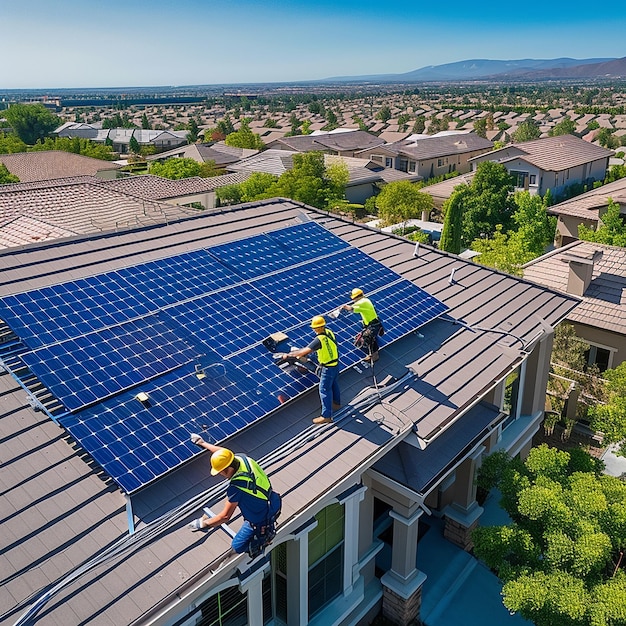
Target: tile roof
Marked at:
442, 145
59, 510
337, 142
158, 188
604, 301
552, 153
51, 164
202, 152
588, 204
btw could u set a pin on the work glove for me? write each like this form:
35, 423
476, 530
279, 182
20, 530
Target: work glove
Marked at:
197, 439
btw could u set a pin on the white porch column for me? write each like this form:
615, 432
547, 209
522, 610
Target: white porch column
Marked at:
351, 537
253, 586
298, 576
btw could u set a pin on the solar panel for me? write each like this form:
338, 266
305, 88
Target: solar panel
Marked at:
187, 331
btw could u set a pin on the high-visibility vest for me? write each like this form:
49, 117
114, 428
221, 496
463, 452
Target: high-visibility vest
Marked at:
328, 354
365, 308
250, 478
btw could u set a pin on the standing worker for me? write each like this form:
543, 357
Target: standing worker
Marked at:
372, 327
328, 359
251, 491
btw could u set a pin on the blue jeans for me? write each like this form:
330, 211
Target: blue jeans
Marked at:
329, 389
242, 539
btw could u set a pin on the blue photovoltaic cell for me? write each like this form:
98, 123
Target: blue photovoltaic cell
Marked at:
154, 327
52, 314
90, 368
228, 320
267, 253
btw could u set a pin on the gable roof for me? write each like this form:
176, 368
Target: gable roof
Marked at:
61, 510
587, 205
52, 164
552, 153
202, 152
442, 145
78, 206
604, 301
336, 142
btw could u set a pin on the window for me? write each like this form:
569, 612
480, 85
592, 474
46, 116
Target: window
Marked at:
326, 558
226, 608
403, 165
388, 162
533, 179
412, 166
378, 158
511, 397
275, 598
600, 356
519, 179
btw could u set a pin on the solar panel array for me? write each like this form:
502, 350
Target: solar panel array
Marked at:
187, 331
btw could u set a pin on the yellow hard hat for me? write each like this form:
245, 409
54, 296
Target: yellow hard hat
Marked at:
356, 293
220, 460
318, 321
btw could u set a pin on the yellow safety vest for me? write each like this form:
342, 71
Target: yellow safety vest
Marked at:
328, 354
250, 478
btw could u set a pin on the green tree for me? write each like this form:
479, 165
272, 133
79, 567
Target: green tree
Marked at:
10, 143
304, 182
337, 177
256, 186
192, 135
244, 137
225, 126
560, 558
419, 125
175, 169
403, 122
606, 138
609, 415
480, 127
402, 201
488, 203
526, 131
133, 145
145, 123
565, 127
306, 127
384, 114
228, 195
453, 220
77, 145
6, 176
31, 122
612, 230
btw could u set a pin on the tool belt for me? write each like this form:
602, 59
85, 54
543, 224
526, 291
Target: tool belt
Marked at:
263, 535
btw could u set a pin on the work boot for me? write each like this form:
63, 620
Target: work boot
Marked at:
322, 420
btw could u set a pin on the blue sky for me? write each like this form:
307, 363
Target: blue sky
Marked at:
115, 43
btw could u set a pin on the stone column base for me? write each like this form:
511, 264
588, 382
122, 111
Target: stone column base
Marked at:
459, 525
402, 600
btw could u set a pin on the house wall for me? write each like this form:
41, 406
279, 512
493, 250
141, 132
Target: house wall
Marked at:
567, 229
207, 200
358, 194
606, 339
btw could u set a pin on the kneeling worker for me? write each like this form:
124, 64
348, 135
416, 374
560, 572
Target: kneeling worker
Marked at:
371, 324
250, 490
328, 358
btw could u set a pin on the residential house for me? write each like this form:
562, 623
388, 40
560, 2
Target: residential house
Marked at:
219, 152
357, 494
53, 164
364, 176
46, 210
553, 163
428, 156
119, 138
597, 275
194, 192
342, 142
586, 209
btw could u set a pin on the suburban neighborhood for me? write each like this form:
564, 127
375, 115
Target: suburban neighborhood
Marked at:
139, 290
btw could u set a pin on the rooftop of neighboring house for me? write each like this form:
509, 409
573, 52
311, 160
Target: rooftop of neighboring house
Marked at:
442, 145
360, 171
551, 153
52, 164
60, 510
587, 206
603, 293
32, 212
202, 152
158, 188
443, 190
348, 140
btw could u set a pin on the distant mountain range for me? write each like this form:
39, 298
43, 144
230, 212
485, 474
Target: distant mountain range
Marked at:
485, 69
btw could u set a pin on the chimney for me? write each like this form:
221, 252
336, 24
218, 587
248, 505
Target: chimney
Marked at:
581, 265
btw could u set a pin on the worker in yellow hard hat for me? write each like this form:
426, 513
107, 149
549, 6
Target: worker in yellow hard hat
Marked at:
372, 326
325, 345
249, 489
